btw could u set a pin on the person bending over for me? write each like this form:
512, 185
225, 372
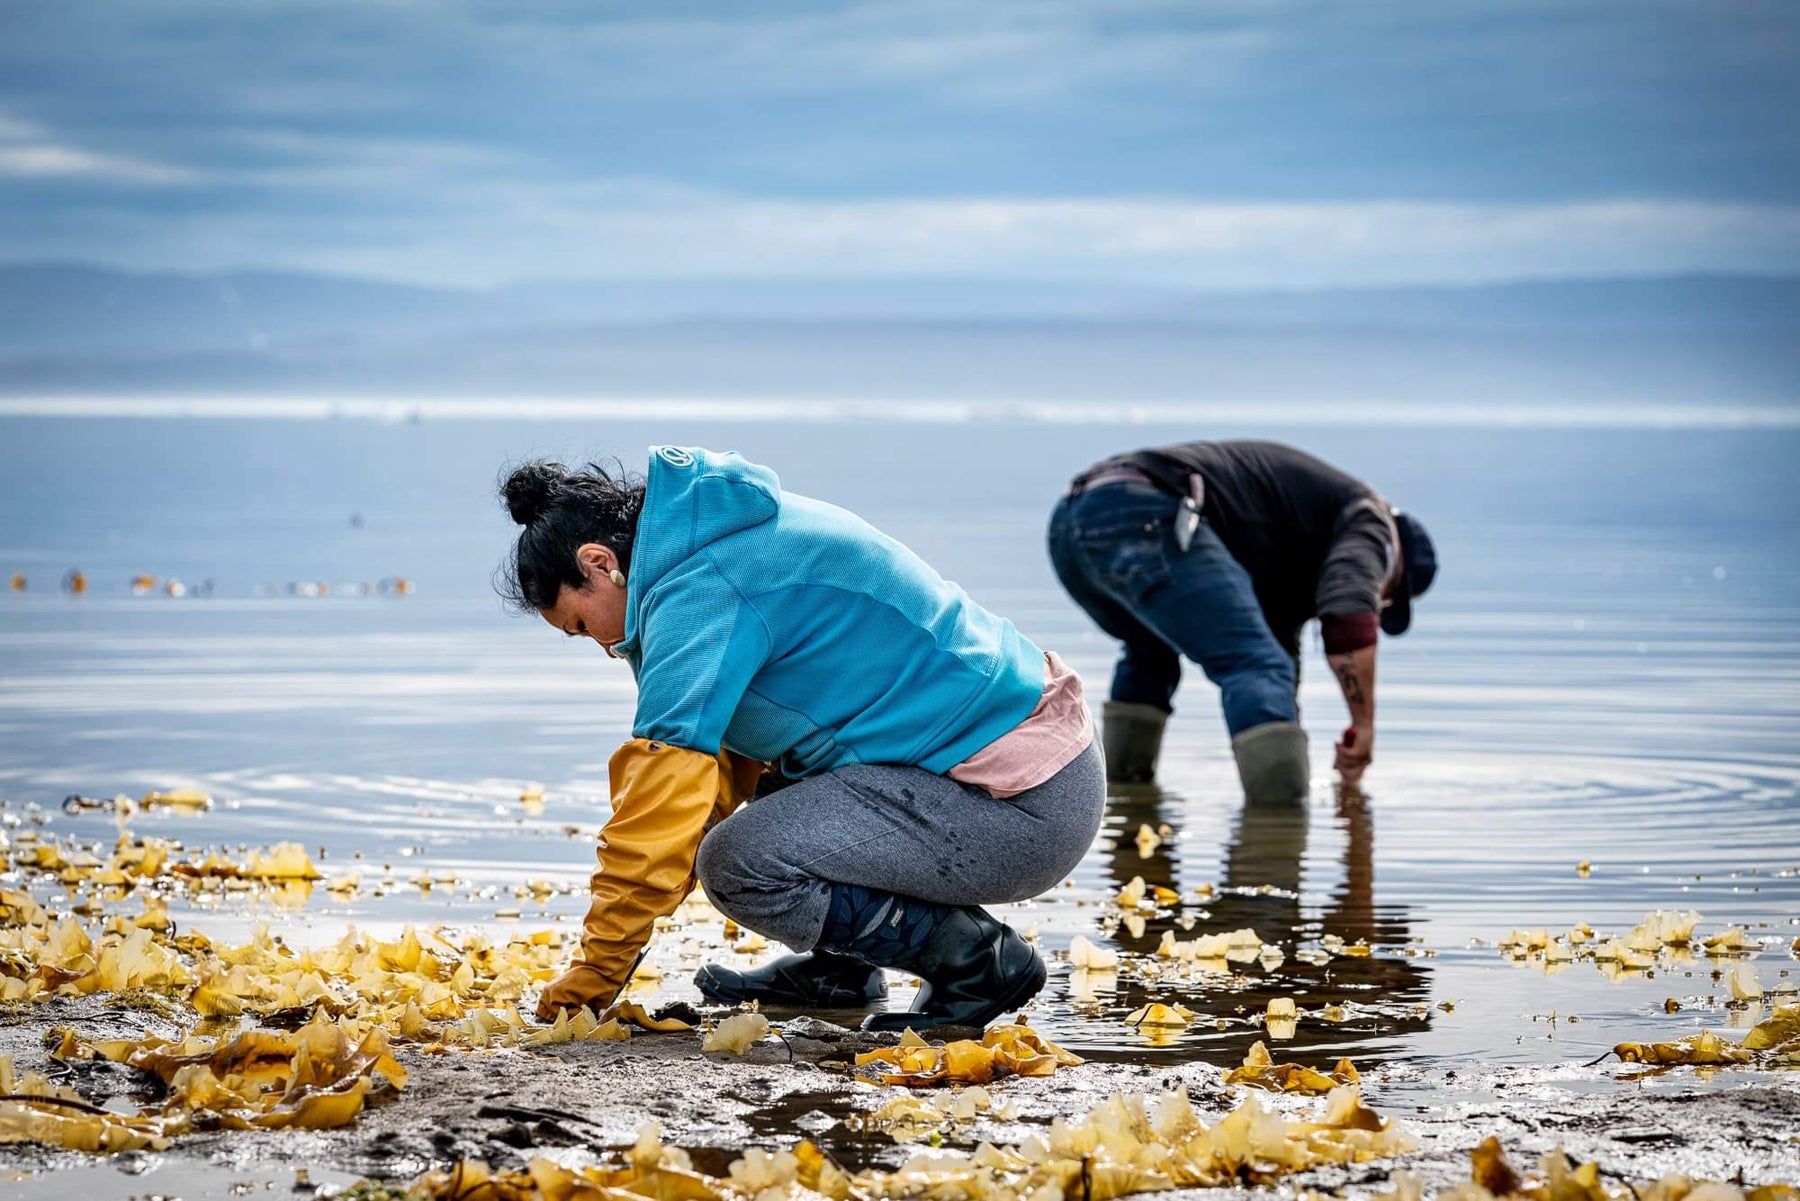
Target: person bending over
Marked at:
1223, 551
934, 759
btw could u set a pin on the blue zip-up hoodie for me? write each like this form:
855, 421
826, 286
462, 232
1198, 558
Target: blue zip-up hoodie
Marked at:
789, 630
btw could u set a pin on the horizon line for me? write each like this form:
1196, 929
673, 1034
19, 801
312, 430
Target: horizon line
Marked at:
912, 411
907, 277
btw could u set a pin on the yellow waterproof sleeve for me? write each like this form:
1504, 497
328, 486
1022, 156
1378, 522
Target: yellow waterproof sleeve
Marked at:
664, 797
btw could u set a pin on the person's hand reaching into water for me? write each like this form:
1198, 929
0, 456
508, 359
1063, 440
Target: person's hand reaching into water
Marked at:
1355, 750
1355, 672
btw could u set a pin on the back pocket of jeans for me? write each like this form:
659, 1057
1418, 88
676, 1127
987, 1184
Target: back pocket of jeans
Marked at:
1134, 564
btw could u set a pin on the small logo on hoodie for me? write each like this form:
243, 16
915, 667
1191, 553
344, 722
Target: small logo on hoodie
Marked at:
675, 456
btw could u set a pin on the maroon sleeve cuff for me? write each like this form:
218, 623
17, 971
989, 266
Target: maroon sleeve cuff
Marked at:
1347, 632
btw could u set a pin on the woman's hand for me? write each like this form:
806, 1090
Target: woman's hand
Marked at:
663, 797
580, 986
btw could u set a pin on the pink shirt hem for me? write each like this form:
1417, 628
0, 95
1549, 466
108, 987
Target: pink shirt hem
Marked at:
1048, 740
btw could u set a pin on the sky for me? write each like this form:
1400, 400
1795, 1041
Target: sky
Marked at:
1205, 143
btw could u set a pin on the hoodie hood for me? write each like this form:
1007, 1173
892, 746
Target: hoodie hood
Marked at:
692, 498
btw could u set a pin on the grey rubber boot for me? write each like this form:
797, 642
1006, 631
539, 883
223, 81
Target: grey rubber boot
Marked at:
1271, 760
1131, 738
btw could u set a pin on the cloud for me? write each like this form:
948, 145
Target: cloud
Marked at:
49, 161
506, 229
361, 168
1215, 245
29, 152
1234, 141
1249, 99
995, 53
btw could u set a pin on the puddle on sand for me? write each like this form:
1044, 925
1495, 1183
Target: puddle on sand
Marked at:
152, 1176
830, 1119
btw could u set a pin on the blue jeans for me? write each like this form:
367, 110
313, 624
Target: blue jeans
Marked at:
1113, 548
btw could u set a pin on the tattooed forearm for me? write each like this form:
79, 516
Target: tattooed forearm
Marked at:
1345, 668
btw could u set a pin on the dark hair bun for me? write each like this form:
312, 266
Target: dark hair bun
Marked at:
531, 487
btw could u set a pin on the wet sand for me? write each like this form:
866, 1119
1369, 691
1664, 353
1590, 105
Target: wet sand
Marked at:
576, 1102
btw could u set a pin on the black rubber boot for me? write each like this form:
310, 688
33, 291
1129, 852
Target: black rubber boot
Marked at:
1131, 737
816, 980
973, 968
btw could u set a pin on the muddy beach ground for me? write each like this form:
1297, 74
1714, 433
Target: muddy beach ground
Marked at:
573, 1101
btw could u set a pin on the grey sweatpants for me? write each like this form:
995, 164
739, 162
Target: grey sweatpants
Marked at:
905, 830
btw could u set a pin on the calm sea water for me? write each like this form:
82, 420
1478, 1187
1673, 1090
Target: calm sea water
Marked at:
1608, 670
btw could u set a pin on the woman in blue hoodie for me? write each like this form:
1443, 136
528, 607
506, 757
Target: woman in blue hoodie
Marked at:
923, 757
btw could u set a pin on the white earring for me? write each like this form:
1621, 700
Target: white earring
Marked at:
618, 577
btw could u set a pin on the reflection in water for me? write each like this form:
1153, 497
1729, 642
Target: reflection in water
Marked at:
1383, 995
